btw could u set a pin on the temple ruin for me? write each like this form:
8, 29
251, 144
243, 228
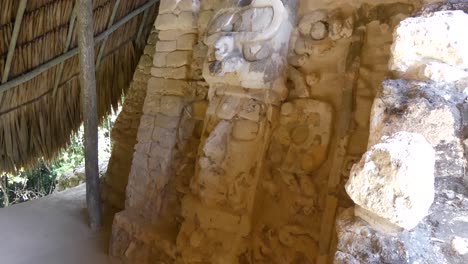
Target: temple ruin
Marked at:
294, 131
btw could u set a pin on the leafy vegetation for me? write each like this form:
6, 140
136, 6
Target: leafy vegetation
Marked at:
41, 181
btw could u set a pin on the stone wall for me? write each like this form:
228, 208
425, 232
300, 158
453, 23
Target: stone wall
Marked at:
255, 113
124, 132
168, 138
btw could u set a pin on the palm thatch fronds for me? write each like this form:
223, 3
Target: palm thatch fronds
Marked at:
35, 120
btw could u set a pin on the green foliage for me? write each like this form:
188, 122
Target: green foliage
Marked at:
41, 181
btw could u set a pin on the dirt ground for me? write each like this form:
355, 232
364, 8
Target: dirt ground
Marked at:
52, 230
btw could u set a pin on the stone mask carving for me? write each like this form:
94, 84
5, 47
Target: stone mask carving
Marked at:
240, 34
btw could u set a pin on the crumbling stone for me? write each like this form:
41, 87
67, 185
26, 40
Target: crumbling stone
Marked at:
424, 44
425, 108
394, 181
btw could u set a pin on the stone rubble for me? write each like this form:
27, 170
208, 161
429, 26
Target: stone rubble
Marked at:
428, 101
395, 181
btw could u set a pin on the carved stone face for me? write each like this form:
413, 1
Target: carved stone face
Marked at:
242, 34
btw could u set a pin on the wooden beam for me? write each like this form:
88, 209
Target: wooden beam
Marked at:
90, 115
71, 30
104, 42
142, 25
14, 39
44, 67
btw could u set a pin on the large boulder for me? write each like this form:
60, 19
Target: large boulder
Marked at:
432, 46
393, 184
428, 109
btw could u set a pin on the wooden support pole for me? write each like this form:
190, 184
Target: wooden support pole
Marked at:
90, 115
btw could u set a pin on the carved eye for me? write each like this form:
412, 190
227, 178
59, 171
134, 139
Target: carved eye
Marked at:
243, 3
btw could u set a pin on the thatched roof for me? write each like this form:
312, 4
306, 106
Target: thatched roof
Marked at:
37, 120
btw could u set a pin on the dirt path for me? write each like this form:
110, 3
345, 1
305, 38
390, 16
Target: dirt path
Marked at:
52, 230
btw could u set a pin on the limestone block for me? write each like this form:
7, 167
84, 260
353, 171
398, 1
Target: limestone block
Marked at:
178, 58
152, 104
171, 73
144, 135
166, 46
175, 34
147, 122
186, 42
161, 86
165, 137
395, 181
188, 5
436, 37
171, 105
165, 121
182, 21
177, 6
159, 59
167, 6
424, 108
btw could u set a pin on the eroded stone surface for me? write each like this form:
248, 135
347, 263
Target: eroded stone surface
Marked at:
432, 38
395, 180
425, 108
435, 110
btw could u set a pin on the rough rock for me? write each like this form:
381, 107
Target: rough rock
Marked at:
394, 181
432, 241
434, 37
425, 108
460, 245
359, 243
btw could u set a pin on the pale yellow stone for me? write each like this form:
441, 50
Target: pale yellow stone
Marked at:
245, 130
159, 59
168, 87
175, 34
199, 109
186, 42
171, 105
178, 58
166, 46
170, 73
